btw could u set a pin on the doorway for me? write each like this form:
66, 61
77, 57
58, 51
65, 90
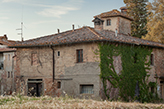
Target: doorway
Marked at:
34, 87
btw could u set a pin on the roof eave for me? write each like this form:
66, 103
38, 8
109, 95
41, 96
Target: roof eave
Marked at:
131, 19
102, 40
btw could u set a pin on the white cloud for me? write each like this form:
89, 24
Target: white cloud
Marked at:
56, 11
9, 0
43, 22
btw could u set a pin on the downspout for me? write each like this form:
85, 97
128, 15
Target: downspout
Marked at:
53, 64
13, 71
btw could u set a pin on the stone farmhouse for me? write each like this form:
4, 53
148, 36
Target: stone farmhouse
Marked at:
7, 56
66, 63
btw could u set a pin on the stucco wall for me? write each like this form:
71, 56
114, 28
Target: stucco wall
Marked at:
70, 73
76, 74
25, 70
121, 24
124, 25
114, 23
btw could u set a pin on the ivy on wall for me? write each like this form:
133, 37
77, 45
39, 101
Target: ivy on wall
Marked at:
134, 73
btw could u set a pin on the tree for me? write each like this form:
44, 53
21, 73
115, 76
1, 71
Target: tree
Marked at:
138, 11
155, 25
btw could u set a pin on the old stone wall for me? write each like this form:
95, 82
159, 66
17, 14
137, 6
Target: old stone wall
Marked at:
72, 74
68, 71
37, 67
124, 25
113, 26
121, 24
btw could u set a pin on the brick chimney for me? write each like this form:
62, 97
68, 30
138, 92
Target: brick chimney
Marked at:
123, 10
5, 37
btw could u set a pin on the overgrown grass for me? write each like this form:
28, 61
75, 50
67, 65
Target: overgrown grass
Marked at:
47, 102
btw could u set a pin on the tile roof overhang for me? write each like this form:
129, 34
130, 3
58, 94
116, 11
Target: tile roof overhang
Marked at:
7, 50
113, 13
84, 35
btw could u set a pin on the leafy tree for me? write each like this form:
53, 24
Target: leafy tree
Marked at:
155, 25
138, 11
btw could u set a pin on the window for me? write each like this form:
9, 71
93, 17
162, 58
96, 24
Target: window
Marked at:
1, 65
135, 58
8, 75
108, 22
34, 59
152, 59
11, 74
80, 55
58, 53
8, 57
58, 84
86, 89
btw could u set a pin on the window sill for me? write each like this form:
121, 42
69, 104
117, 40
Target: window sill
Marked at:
80, 62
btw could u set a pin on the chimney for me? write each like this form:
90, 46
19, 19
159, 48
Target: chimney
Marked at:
22, 39
5, 36
123, 10
73, 27
58, 30
98, 23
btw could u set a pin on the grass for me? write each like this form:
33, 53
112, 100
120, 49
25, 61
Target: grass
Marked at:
47, 102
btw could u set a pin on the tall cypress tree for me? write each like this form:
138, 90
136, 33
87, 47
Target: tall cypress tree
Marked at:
138, 11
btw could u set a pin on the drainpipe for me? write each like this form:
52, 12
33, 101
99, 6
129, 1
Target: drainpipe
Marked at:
13, 71
53, 64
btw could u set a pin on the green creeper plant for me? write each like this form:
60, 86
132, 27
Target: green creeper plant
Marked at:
135, 70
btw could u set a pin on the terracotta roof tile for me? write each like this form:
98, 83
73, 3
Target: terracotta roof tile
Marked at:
7, 49
84, 34
113, 13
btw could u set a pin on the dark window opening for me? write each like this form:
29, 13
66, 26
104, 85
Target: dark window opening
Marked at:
8, 74
152, 89
135, 58
58, 84
34, 89
1, 65
11, 74
108, 22
58, 53
152, 59
86, 89
80, 55
97, 23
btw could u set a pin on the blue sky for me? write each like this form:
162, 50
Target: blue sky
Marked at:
44, 17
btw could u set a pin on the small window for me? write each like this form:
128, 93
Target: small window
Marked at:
108, 22
8, 75
34, 59
135, 58
8, 57
152, 59
11, 74
58, 53
80, 55
86, 89
58, 84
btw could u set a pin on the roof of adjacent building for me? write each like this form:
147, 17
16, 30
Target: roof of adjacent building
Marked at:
113, 13
7, 49
4, 40
83, 35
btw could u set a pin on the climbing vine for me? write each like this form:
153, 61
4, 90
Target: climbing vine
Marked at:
135, 71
